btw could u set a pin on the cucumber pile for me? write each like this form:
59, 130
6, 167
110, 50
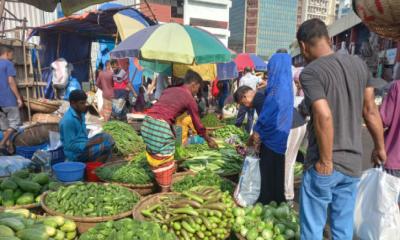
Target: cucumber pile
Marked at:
126, 228
24, 188
269, 222
203, 213
20, 224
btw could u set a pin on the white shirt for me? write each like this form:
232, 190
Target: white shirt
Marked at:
249, 80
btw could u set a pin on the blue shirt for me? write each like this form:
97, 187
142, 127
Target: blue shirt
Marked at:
7, 97
73, 134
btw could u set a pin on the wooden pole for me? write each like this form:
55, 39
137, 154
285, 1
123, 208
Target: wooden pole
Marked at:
39, 66
26, 69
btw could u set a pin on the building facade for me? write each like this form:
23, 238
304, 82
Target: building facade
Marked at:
268, 25
325, 10
210, 15
344, 8
237, 21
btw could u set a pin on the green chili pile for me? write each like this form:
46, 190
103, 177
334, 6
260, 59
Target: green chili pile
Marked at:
127, 141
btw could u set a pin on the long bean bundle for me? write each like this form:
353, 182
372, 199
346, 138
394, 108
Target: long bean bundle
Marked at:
127, 141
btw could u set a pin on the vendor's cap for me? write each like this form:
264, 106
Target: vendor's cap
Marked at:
77, 95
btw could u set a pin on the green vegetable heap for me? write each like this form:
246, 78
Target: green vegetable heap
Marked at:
269, 222
224, 161
190, 151
229, 131
127, 141
24, 188
204, 213
132, 173
203, 178
20, 224
91, 200
126, 229
298, 169
211, 120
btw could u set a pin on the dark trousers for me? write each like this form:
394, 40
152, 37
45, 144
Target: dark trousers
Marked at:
272, 169
242, 114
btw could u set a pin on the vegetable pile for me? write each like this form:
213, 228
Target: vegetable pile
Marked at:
269, 222
127, 141
24, 188
132, 173
224, 161
91, 200
211, 120
298, 169
126, 229
20, 224
229, 131
203, 178
204, 213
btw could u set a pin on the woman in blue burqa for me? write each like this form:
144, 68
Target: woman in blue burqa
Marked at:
273, 126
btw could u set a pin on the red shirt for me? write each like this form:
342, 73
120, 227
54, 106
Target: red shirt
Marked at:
173, 103
105, 83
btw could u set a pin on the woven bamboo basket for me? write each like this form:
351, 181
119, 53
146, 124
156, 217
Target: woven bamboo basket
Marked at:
150, 201
382, 18
35, 134
142, 189
84, 223
43, 105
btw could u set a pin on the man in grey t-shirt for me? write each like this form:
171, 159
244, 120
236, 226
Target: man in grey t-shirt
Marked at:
339, 94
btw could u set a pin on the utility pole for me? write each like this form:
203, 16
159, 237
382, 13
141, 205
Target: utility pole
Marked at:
2, 6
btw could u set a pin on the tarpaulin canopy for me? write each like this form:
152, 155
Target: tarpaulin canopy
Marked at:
68, 6
94, 24
71, 38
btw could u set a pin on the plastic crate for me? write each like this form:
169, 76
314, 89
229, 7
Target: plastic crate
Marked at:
57, 155
28, 151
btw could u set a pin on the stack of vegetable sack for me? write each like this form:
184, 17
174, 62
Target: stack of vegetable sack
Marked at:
20, 224
202, 213
24, 188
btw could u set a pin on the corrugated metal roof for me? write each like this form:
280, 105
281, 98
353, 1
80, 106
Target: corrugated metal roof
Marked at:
343, 24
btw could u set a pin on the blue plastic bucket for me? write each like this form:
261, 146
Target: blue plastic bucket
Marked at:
69, 171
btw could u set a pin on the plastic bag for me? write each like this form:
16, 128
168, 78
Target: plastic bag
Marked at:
248, 188
377, 214
11, 164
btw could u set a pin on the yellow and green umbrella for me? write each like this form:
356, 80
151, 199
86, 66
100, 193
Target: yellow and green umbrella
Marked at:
175, 43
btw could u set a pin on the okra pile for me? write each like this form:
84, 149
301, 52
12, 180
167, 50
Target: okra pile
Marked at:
91, 200
202, 213
126, 229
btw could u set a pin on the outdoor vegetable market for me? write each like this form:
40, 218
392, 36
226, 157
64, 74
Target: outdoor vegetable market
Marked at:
116, 124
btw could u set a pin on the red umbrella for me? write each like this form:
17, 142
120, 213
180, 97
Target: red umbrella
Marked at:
242, 61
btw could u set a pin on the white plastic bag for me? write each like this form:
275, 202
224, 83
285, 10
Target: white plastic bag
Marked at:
377, 215
248, 188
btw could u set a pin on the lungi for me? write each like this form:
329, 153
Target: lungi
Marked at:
98, 152
160, 149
